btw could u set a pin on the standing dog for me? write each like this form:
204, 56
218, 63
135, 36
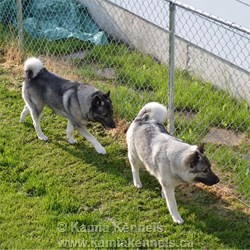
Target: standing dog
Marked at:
79, 103
169, 159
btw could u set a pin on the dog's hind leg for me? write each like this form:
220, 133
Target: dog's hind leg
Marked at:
135, 168
171, 203
35, 107
69, 132
98, 147
24, 113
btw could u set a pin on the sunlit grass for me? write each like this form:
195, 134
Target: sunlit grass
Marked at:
52, 192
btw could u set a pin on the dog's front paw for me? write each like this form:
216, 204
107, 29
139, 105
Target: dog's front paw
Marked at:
178, 220
138, 185
43, 138
101, 150
72, 141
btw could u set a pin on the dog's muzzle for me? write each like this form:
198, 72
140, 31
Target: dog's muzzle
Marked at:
211, 180
109, 126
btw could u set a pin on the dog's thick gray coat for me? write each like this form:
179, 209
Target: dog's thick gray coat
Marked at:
78, 102
169, 159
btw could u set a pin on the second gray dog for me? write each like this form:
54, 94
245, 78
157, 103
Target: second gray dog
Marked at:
79, 103
169, 159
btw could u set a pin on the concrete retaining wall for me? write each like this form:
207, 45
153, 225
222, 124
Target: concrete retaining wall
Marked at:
151, 39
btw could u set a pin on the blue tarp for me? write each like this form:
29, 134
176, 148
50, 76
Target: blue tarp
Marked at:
54, 20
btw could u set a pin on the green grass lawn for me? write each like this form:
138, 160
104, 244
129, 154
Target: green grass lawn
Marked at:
57, 195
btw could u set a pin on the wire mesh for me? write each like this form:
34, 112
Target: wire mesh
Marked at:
128, 53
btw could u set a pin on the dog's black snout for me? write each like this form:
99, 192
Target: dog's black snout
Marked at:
210, 180
109, 125
214, 179
113, 125
217, 179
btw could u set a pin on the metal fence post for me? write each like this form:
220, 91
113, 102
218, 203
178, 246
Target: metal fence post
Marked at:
172, 9
20, 23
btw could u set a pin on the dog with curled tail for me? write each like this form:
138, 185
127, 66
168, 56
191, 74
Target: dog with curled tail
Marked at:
170, 160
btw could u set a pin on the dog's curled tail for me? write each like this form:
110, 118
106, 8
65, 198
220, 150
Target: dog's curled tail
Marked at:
32, 66
155, 111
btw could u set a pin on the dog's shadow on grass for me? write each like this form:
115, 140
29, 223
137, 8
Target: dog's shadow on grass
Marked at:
209, 210
213, 211
114, 162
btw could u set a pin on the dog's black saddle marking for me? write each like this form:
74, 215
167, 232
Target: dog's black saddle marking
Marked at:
142, 119
162, 128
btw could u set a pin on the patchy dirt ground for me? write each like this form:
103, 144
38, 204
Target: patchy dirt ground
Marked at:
224, 137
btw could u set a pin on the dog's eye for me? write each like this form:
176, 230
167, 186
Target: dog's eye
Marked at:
205, 171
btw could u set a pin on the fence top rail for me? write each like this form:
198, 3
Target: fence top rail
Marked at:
207, 15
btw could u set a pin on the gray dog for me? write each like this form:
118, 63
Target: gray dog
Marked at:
79, 103
169, 159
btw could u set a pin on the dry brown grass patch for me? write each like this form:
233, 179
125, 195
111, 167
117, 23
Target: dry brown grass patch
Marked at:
13, 56
121, 129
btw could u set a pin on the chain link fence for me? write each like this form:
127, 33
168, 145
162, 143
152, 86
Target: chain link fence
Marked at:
196, 64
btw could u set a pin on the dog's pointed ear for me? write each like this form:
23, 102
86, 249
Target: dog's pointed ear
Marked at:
107, 95
201, 148
96, 101
193, 159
